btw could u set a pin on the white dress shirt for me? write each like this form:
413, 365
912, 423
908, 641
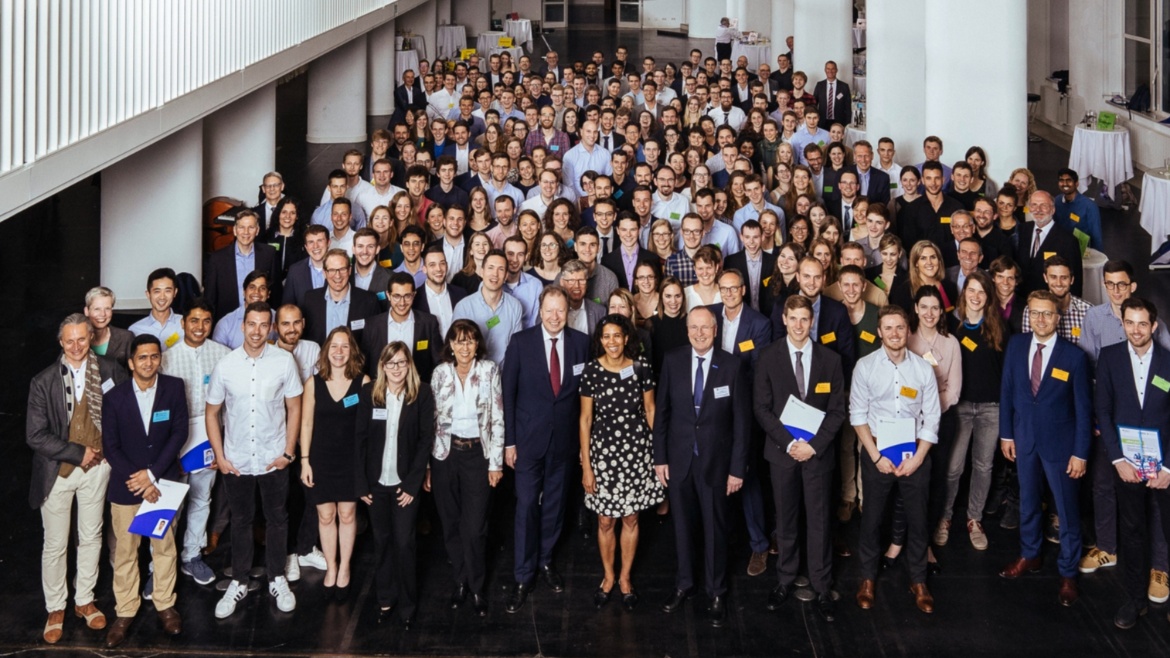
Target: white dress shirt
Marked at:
389, 475
145, 400
884, 389
1044, 356
401, 331
440, 305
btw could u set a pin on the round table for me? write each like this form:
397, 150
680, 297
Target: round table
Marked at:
1155, 207
853, 135
403, 60
1102, 154
449, 40
485, 42
759, 53
1094, 273
520, 30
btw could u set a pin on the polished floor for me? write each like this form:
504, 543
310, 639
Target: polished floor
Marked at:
50, 259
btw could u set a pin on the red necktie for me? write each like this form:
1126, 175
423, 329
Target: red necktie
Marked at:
554, 369
1037, 368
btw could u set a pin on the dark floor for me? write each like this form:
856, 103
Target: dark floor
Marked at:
49, 258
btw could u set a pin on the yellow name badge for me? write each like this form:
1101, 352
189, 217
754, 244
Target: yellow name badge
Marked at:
1049, 254
765, 282
422, 345
747, 346
867, 337
908, 392
1076, 332
1062, 375
1075, 217
944, 220
172, 339
969, 344
829, 338
823, 387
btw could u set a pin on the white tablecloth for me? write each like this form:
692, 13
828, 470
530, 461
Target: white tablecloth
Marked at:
1101, 154
485, 42
405, 59
1094, 285
760, 53
858, 37
858, 86
853, 135
520, 30
450, 39
1155, 208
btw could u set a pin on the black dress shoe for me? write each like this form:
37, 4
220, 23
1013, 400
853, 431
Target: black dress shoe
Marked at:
480, 604
718, 612
385, 615
826, 607
676, 600
777, 597
1127, 616
517, 598
552, 578
630, 600
458, 596
601, 597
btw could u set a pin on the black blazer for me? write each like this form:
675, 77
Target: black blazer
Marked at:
422, 303
738, 260
129, 448
834, 330
416, 438
1116, 400
1059, 242
752, 335
775, 380
613, 261
843, 105
721, 428
419, 98
220, 285
363, 305
297, 283
879, 185
426, 351
379, 284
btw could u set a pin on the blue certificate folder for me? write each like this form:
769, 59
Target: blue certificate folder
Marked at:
896, 438
154, 519
196, 453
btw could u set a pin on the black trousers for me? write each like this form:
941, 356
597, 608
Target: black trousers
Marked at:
1134, 501
241, 491
808, 486
723, 51
878, 487
940, 459
540, 510
463, 496
395, 551
308, 531
700, 509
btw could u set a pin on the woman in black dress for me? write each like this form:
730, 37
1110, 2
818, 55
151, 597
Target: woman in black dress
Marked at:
287, 233
670, 325
328, 412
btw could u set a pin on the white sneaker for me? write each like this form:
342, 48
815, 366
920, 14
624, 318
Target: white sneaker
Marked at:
292, 568
235, 593
285, 600
314, 560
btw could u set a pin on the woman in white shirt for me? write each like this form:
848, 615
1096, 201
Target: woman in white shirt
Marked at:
706, 291
468, 457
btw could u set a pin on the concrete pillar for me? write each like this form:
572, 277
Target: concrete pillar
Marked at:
782, 25
474, 15
380, 80
136, 237
756, 16
239, 146
337, 95
824, 31
422, 20
999, 101
703, 19
737, 11
896, 76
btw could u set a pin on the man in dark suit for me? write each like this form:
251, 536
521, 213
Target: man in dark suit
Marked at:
833, 98
541, 407
802, 458
425, 339
408, 96
702, 425
1045, 425
227, 267
1053, 241
1132, 391
629, 249
551, 65
359, 305
367, 273
307, 274
872, 183
272, 188
753, 257
438, 297
142, 449
831, 325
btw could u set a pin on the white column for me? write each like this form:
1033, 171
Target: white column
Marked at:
703, 19
136, 237
756, 16
823, 32
737, 11
896, 76
964, 105
422, 20
380, 81
443, 9
782, 25
337, 95
239, 146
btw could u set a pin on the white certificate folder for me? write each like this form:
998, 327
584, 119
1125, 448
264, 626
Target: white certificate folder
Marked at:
896, 438
800, 419
153, 519
1141, 447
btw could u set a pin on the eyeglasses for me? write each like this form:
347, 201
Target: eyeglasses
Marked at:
271, 186
727, 290
402, 298
1047, 315
1117, 285
336, 271
396, 364
692, 231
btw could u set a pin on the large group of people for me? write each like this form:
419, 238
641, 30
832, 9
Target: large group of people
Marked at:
635, 287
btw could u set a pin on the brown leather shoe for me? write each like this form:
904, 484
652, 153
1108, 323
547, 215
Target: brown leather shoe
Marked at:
1019, 567
865, 595
54, 625
212, 543
171, 622
92, 616
117, 632
1068, 591
922, 597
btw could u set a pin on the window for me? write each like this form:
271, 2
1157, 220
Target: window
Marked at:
1147, 51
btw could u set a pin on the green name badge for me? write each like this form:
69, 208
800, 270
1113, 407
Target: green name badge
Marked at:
1162, 383
828, 189
495, 319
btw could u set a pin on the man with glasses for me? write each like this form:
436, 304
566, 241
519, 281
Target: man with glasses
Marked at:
418, 330
1040, 239
498, 185
411, 242
272, 188
681, 264
583, 313
338, 303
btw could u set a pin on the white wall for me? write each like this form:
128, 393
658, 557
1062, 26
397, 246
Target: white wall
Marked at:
422, 20
663, 14
896, 76
783, 24
474, 15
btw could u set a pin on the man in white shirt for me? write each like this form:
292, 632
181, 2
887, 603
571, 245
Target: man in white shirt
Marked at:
753, 186
382, 190
162, 322
667, 204
436, 291
727, 114
546, 193
442, 102
355, 187
342, 235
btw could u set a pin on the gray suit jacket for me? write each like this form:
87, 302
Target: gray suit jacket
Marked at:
118, 349
47, 427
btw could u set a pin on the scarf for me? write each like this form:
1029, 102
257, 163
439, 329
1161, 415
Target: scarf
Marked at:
93, 390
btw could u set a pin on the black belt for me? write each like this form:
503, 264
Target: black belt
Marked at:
463, 443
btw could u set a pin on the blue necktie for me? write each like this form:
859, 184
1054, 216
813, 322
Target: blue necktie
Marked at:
698, 394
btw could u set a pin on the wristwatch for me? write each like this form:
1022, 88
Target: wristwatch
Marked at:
290, 458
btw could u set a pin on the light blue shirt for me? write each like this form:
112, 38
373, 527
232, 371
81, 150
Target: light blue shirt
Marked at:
509, 190
578, 161
230, 329
527, 291
244, 266
498, 325
420, 277
802, 138
723, 236
168, 333
749, 212
336, 312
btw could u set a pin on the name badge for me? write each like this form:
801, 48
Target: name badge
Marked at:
674, 216
386, 263
828, 189
351, 400
206, 380
1161, 384
1049, 254
172, 339
765, 282
555, 147
830, 337
422, 344
357, 324
378, 414
107, 385
627, 372
944, 220
493, 321
747, 346
578, 369
722, 391
929, 357
1076, 332
1075, 217
274, 245
1062, 375
867, 337
823, 387
161, 416
968, 343
381, 295
908, 392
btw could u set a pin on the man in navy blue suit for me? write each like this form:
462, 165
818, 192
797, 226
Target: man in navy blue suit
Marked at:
701, 434
1133, 390
1045, 420
144, 425
541, 409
